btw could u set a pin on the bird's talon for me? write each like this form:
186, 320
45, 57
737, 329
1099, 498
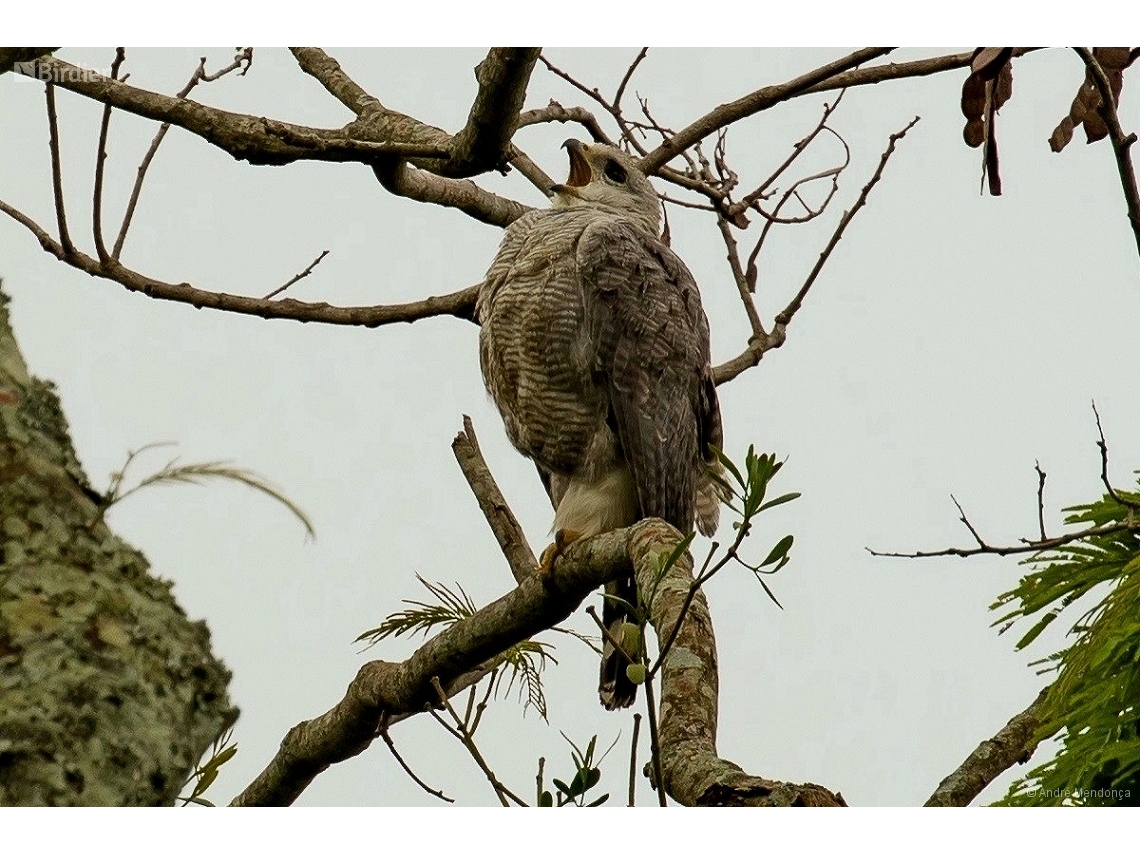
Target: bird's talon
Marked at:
562, 540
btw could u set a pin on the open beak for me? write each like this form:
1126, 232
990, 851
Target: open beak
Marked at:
580, 173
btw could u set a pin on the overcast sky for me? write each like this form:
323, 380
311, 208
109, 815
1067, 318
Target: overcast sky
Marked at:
952, 340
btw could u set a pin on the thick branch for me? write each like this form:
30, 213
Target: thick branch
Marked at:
406, 688
755, 102
485, 140
252, 138
1014, 743
692, 772
400, 179
327, 71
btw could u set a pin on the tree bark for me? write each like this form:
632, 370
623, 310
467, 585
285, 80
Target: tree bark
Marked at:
109, 694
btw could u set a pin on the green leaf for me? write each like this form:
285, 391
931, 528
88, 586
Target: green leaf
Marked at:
787, 497
546, 799
563, 787
729, 465
599, 801
592, 777
779, 551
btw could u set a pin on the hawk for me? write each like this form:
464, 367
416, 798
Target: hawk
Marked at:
595, 349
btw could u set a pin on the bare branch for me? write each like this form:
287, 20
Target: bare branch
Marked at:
255, 139
484, 142
789, 311
387, 737
327, 71
1014, 743
1040, 498
900, 70
400, 179
755, 102
66, 246
100, 160
627, 77
633, 760
1026, 547
555, 112
460, 304
298, 277
1103, 447
1121, 144
242, 61
512, 540
460, 732
739, 276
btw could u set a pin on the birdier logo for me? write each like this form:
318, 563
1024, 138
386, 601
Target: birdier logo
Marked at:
55, 74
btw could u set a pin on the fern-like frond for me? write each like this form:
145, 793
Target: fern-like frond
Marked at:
200, 473
449, 607
1094, 705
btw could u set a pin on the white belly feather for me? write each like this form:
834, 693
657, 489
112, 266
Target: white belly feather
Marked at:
591, 507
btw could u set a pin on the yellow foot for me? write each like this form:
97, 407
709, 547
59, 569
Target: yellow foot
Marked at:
562, 539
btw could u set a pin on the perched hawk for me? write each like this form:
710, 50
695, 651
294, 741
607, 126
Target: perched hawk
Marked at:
595, 348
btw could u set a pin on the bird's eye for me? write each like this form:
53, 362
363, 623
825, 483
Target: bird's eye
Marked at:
615, 172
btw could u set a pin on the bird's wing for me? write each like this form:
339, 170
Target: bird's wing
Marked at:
645, 324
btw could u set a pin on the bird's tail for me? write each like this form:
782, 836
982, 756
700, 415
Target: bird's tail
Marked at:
615, 689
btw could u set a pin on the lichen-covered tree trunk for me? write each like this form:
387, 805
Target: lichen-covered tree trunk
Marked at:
108, 692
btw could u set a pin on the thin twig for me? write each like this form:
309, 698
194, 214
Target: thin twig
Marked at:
633, 759
1103, 446
739, 276
626, 78
100, 160
460, 732
242, 61
298, 277
408, 769
755, 102
789, 311
797, 149
57, 173
654, 744
966, 522
1040, 498
618, 645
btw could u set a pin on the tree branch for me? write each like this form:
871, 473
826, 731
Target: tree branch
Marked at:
255, 139
900, 70
512, 540
755, 102
460, 304
789, 311
484, 142
1121, 144
405, 688
1014, 743
761, 343
692, 773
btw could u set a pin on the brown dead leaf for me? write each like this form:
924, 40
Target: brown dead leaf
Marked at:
1085, 109
989, 86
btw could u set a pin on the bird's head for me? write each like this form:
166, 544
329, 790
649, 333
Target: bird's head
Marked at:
602, 176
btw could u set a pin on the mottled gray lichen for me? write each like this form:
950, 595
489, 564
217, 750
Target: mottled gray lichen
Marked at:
108, 692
